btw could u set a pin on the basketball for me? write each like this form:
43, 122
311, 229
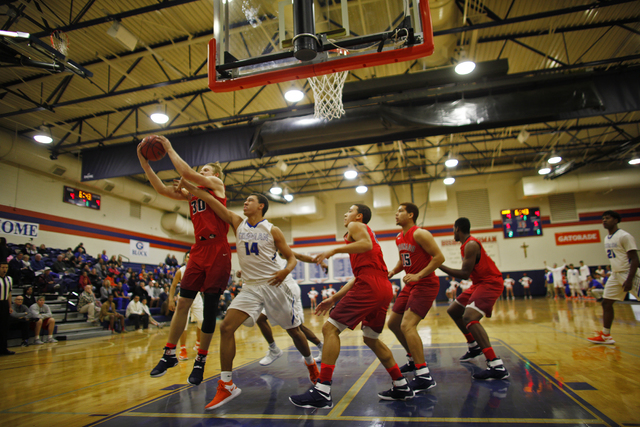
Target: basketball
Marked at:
152, 148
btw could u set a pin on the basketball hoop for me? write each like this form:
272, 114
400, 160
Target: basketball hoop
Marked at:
327, 93
60, 41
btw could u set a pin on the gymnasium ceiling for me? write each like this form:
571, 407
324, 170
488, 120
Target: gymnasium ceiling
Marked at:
540, 39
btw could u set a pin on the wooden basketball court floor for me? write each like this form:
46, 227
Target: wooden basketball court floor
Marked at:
557, 377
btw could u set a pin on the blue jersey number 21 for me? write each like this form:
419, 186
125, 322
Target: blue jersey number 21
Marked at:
253, 249
610, 253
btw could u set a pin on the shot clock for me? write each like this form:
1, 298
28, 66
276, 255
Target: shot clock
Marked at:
81, 198
521, 222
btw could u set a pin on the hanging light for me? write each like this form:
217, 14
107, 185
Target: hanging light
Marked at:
635, 160
465, 65
451, 162
361, 188
275, 189
287, 196
351, 172
294, 95
554, 159
544, 170
159, 118
44, 135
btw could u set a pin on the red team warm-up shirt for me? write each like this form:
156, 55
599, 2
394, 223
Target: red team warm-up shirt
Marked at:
485, 271
414, 257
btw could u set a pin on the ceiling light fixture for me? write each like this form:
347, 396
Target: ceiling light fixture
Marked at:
44, 135
159, 118
125, 37
361, 189
635, 160
544, 170
294, 95
554, 159
351, 172
449, 180
287, 196
451, 162
275, 189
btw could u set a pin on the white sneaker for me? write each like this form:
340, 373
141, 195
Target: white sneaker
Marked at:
52, 340
271, 357
38, 342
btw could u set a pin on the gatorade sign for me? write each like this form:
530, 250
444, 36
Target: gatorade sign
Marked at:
578, 237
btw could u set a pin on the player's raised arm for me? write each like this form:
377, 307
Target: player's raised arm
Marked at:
285, 250
428, 243
357, 231
188, 173
309, 259
471, 252
223, 213
155, 181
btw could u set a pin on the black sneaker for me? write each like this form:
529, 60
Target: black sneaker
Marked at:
495, 371
25, 343
422, 383
408, 367
198, 370
471, 354
167, 361
397, 392
318, 396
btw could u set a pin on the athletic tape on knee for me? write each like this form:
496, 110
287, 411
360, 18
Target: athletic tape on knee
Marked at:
367, 332
473, 322
210, 310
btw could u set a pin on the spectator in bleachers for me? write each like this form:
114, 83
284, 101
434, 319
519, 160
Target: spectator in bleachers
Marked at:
28, 275
42, 250
138, 290
20, 317
84, 280
154, 292
168, 260
29, 297
120, 296
30, 249
108, 313
16, 268
128, 274
72, 263
109, 280
119, 262
153, 321
4, 250
174, 261
60, 266
143, 272
87, 304
37, 265
104, 257
81, 257
112, 262
47, 281
136, 313
94, 278
40, 310
101, 268
105, 291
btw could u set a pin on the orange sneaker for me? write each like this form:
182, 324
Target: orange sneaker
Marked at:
226, 392
183, 354
601, 338
314, 373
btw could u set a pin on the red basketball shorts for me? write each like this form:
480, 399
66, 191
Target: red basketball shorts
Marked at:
366, 302
418, 297
481, 296
208, 268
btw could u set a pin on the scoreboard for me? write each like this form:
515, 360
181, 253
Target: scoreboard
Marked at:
521, 222
81, 198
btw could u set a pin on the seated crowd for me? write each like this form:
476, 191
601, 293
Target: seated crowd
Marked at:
103, 285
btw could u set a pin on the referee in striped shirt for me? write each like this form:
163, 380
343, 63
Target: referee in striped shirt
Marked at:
5, 307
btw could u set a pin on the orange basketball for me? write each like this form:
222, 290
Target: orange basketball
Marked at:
152, 148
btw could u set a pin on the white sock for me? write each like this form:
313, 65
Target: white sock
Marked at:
225, 376
472, 344
309, 360
606, 331
50, 336
273, 346
422, 371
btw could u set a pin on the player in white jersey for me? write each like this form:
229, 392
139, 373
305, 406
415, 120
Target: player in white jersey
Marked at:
508, 283
452, 290
263, 272
465, 284
313, 295
622, 251
556, 273
585, 272
573, 278
525, 281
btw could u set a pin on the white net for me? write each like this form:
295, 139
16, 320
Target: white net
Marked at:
60, 42
327, 94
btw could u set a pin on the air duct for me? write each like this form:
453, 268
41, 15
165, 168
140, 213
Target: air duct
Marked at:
532, 186
177, 224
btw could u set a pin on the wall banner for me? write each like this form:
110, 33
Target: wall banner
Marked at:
139, 248
18, 228
577, 237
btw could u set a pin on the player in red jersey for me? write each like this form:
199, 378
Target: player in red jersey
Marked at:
420, 256
209, 262
365, 298
477, 301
